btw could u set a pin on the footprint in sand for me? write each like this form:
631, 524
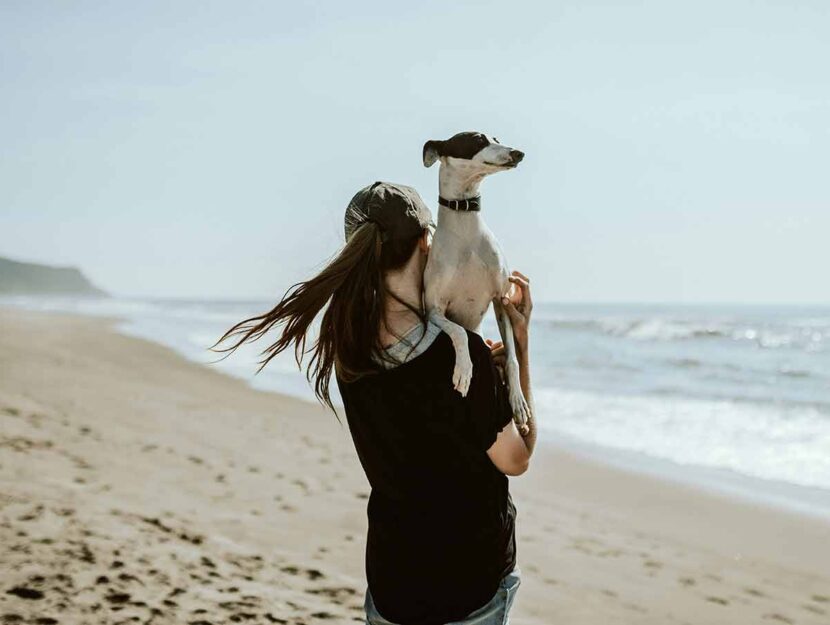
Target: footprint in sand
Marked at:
24, 592
312, 574
337, 594
23, 444
814, 609
118, 597
33, 514
302, 484
236, 605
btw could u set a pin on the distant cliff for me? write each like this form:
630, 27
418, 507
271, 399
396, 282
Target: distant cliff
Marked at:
31, 279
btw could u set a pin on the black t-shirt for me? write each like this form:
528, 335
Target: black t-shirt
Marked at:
441, 518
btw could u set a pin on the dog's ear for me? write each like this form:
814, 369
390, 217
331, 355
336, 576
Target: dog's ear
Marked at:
431, 152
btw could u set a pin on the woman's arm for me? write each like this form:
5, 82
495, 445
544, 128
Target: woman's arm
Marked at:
519, 306
528, 432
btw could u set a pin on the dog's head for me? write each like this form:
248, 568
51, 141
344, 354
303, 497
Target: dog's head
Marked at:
472, 151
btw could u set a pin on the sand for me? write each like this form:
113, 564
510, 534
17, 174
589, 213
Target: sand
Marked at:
137, 487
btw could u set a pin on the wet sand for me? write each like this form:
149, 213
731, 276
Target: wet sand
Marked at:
137, 487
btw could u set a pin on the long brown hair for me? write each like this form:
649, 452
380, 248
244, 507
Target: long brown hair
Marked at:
353, 287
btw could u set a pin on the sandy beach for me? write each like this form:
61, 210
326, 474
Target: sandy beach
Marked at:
138, 487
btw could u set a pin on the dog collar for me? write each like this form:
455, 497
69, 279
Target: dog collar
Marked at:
470, 205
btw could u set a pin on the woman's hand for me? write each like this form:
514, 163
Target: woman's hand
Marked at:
499, 357
518, 305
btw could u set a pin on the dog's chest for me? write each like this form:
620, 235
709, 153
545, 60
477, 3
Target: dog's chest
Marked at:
468, 272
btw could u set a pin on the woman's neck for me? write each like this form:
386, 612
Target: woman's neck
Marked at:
407, 284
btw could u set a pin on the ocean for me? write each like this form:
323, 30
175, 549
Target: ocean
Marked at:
735, 398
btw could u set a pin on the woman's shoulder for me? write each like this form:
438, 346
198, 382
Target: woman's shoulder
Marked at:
475, 342
436, 360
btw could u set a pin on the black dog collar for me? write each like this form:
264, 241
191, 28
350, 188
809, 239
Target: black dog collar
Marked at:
470, 205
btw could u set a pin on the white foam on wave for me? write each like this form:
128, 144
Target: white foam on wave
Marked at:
783, 443
92, 306
660, 329
224, 313
812, 334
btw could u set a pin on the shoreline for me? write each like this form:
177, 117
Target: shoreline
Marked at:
202, 483
742, 478
813, 502
809, 502
781, 496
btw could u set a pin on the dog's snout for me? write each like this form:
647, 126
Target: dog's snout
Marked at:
516, 155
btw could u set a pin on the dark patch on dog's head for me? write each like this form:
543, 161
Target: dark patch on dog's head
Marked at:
464, 145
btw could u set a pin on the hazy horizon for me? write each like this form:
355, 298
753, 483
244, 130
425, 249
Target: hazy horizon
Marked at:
676, 152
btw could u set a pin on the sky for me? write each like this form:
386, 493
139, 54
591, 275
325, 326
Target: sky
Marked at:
675, 151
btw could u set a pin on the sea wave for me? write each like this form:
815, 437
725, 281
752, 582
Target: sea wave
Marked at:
226, 313
789, 443
809, 334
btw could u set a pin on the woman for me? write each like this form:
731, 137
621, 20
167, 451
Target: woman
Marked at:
441, 544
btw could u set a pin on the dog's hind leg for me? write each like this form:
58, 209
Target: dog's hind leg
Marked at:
521, 411
463, 371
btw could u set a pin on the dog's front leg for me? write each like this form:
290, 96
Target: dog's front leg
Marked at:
521, 411
463, 371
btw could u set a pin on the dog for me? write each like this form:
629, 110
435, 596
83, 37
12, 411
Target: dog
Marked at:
466, 269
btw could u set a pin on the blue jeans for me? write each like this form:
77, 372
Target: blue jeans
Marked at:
494, 612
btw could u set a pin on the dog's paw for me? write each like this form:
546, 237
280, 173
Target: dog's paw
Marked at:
462, 374
521, 411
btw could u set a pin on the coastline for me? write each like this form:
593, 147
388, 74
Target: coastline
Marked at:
807, 500
762, 445
167, 456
